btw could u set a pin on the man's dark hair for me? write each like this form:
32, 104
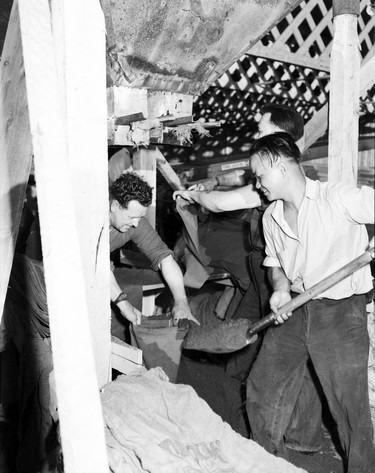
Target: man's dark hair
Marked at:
275, 146
130, 186
285, 118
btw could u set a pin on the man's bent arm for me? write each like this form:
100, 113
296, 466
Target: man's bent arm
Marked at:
173, 277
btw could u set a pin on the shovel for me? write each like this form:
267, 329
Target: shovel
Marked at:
227, 337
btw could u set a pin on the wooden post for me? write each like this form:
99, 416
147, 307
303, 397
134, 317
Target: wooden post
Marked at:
77, 391
83, 83
344, 94
144, 163
15, 147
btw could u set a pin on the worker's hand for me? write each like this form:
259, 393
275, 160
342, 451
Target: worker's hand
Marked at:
186, 195
181, 310
129, 312
278, 299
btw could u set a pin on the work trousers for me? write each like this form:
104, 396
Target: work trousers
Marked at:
333, 334
304, 432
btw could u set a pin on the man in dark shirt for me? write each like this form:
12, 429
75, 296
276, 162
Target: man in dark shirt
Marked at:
130, 196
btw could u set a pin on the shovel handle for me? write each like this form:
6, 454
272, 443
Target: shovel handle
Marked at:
315, 290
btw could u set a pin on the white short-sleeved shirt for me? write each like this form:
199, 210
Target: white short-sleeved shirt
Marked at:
331, 233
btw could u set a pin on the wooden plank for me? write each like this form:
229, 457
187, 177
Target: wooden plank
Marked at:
144, 163
344, 101
123, 365
15, 147
168, 173
127, 351
83, 78
81, 421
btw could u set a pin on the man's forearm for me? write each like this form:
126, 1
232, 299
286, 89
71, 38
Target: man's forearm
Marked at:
217, 201
278, 279
173, 277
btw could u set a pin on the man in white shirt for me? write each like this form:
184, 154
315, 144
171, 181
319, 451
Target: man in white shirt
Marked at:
311, 230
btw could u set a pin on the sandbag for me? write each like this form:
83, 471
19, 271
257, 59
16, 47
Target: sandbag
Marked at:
155, 426
160, 343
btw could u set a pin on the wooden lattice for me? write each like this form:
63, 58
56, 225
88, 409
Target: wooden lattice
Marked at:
289, 66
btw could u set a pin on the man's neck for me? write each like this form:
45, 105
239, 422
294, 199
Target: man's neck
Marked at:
296, 194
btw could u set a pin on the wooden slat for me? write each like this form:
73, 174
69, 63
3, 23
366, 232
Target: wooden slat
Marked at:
123, 365
80, 416
168, 173
282, 54
127, 351
15, 147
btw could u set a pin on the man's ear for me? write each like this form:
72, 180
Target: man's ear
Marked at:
282, 168
114, 205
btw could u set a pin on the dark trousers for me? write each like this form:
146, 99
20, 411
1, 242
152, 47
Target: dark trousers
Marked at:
333, 334
304, 432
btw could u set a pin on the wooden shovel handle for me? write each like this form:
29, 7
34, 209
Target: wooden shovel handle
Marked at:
315, 290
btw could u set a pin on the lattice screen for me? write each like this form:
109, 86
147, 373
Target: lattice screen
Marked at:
289, 66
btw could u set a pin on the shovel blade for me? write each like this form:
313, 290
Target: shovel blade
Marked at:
221, 337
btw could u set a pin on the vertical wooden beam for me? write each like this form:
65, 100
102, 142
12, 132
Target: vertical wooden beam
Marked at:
15, 147
80, 413
83, 82
344, 94
144, 163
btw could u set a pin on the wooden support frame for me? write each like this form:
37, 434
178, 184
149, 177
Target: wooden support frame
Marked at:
80, 414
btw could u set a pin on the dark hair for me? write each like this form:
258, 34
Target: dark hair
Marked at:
130, 186
275, 146
285, 118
